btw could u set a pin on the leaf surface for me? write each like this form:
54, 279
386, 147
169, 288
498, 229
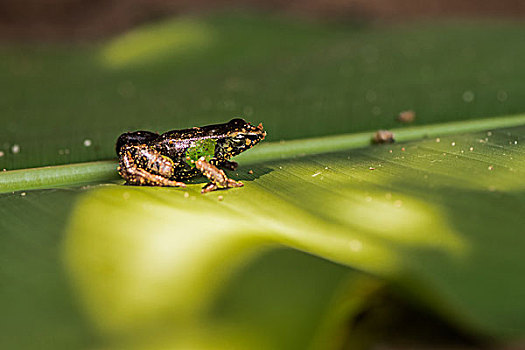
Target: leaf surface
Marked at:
432, 217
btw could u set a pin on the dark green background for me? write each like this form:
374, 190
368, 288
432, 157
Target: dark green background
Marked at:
301, 79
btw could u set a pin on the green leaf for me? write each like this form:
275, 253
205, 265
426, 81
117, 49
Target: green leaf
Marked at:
47, 177
293, 259
424, 215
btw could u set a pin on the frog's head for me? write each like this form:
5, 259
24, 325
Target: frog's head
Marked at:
241, 136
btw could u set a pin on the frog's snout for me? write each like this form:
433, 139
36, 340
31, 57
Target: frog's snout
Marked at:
255, 134
260, 129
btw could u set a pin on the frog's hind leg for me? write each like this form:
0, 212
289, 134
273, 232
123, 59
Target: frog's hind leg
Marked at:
136, 175
218, 178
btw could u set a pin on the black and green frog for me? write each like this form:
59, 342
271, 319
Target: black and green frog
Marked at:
149, 159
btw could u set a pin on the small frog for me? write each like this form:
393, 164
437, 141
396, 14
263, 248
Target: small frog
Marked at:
147, 158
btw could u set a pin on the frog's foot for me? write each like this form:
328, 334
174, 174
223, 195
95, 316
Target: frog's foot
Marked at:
211, 186
134, 175
218, 178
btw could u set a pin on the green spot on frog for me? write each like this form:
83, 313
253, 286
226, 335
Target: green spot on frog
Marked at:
201, 148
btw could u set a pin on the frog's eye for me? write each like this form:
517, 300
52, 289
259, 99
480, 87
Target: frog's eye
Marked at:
239, 137
236, 135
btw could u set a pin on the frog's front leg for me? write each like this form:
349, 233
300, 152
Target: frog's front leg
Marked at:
218, 178
142, 165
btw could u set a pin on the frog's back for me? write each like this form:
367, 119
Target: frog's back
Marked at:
175, 143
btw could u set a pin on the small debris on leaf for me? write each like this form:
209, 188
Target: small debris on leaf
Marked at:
383, 136
406, 117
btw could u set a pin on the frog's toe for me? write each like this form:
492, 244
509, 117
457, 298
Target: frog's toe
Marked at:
209, 187
175, 184
232, 183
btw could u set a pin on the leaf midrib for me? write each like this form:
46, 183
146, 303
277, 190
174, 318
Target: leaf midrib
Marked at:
81, 173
